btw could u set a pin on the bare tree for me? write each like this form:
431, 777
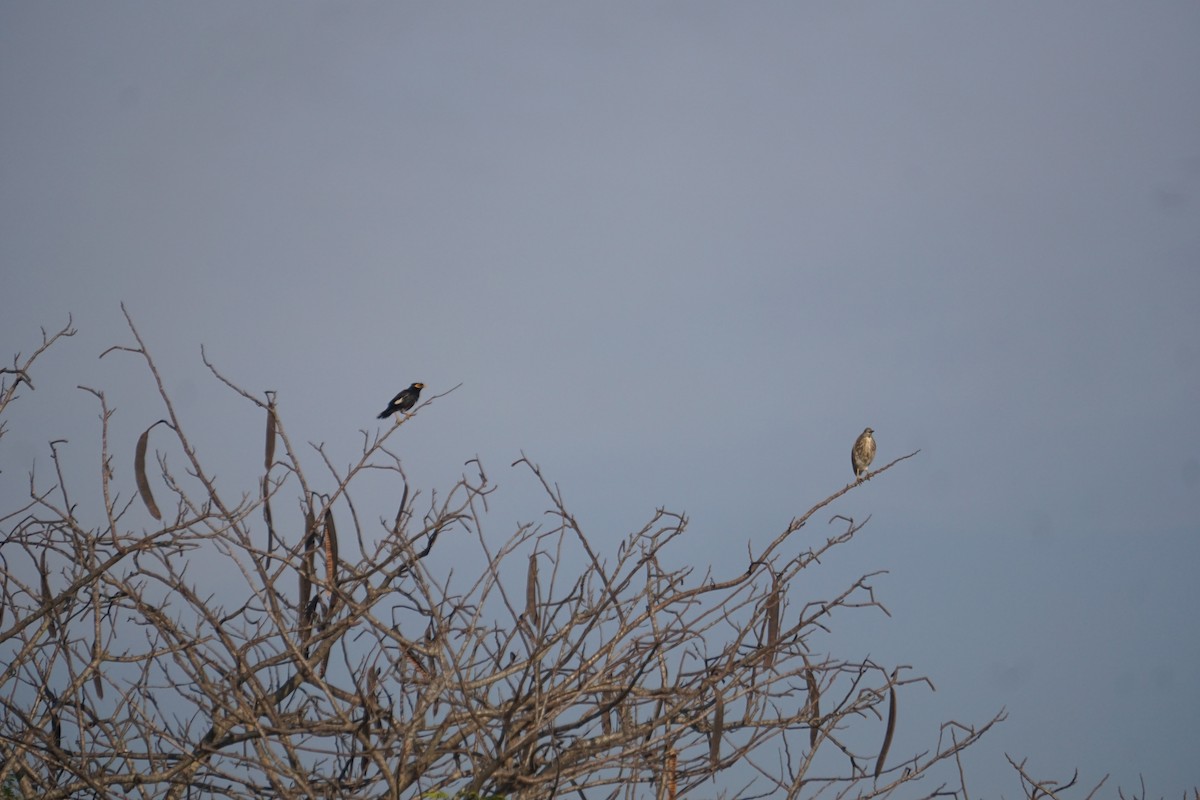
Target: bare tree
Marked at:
325, 657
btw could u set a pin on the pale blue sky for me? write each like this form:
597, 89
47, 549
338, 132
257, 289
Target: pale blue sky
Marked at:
681, 254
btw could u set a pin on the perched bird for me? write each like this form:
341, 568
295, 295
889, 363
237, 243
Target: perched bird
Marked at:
403, 401
862, 453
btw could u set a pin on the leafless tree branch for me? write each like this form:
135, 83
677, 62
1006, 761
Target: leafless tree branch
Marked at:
171, 640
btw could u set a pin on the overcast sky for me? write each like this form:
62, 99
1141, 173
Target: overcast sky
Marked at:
681, 255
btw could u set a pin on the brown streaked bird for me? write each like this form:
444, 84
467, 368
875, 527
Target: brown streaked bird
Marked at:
862, 453
403, 401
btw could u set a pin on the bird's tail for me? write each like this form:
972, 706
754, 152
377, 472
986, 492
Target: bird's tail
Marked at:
384, 414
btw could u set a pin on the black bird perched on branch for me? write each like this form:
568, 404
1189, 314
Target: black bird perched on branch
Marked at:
403, 401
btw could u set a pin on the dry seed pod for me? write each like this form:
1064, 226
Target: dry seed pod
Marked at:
606, 718
139, 469
97, 684
268, 517
47, 598
269, 454
891, 727
773, 601
307, 565
531, 587
670, 766
331, 553
718, 729
814, 706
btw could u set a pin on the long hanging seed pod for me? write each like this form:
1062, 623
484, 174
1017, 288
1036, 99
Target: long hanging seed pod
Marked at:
606, 718
47, 598
97, 684
531, 592
55, 721
331, 556
97, 651
268, 460
718, 729
772, 609
305, 593
670, 767
139, 470
814, 705
268, 517
891, 725
328, 536
269, 454
307, 556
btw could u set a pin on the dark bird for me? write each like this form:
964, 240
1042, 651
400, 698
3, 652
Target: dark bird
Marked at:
403, 401
862, 453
